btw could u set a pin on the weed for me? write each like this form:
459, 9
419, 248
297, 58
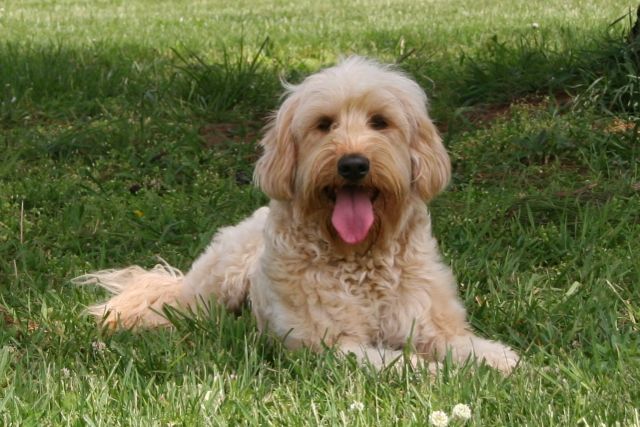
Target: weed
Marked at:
216, 88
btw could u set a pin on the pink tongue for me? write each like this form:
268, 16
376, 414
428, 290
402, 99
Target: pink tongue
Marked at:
352, 215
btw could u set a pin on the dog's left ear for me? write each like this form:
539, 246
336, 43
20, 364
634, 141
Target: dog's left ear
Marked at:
275, 170
431, 167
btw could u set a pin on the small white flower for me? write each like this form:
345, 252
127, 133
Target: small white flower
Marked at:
356, 406
461, 412
66, 373
98, 346
439, 419
535, 25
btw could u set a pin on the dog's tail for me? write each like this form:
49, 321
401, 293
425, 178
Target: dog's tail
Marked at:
223, 271
139, 295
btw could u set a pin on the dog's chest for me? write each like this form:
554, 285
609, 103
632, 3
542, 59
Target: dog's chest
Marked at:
368, 285
368, 281
361, 296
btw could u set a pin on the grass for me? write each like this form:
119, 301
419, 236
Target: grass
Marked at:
128, 130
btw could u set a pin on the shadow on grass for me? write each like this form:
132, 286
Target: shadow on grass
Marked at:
600, 72
59, 82
56, 82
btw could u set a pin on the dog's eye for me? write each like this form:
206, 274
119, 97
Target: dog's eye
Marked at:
324, 124
378, 122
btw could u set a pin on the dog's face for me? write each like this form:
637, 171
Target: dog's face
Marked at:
349, 147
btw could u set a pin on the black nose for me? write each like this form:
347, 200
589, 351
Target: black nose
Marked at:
353, 167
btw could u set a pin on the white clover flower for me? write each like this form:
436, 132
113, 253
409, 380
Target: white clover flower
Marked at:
356, 406
98, 346
535, 25
461, 412
439, 419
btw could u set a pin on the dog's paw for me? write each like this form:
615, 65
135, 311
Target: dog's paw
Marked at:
493, 353
499, 356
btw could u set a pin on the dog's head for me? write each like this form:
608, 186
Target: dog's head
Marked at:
353, 144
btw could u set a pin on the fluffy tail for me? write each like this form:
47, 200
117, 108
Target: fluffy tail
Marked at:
138, 295
223, 271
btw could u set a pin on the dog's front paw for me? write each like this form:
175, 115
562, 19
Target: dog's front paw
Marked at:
498, 356
493, 353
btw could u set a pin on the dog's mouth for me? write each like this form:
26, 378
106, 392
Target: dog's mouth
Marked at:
352, 215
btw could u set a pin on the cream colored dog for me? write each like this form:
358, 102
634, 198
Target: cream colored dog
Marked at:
343, 256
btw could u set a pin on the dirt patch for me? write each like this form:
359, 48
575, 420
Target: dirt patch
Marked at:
484, 115
9, 320
619, 125
214, 134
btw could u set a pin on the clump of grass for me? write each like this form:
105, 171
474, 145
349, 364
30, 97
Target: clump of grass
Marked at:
502, 72
600, 72
612, 78
239, 79
544, 144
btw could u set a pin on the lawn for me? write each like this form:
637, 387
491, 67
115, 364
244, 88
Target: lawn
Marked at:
128, 131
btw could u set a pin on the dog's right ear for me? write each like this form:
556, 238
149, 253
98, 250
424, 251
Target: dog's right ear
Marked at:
275, 170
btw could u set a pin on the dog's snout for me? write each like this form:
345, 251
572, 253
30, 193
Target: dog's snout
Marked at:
353, 167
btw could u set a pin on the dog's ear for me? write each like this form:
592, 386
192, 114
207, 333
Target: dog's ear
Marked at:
275, 170
431, 167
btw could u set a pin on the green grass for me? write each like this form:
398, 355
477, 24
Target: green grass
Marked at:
128, 130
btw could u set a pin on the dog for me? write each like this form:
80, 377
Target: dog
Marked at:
343, 256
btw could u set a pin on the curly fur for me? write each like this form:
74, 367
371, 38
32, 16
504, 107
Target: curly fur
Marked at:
306, 284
